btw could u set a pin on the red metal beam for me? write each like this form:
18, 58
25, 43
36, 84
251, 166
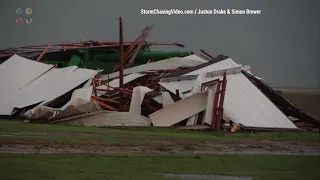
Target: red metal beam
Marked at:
128, 53
141, 36
93, 82
102, 43
73, 46
221, 102
26, 52
207, 54
121, 62
41, 55
35, 48
137, 50
104, 99
105, 105
178, 44
62, 48
121, 53
215, 106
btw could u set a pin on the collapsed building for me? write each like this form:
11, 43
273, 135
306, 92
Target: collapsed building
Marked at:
179, 91
182, 90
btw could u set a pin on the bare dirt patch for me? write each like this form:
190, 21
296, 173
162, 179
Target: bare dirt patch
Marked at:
253, 147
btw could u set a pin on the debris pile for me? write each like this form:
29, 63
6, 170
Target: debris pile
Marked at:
216, 93
189, 92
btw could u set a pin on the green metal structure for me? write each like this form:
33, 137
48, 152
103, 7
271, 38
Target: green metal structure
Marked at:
101, 58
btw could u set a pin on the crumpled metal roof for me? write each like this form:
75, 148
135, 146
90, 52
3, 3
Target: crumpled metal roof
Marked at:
221, 65
195, 57
16, 72
200, 66
171, 63
185, 85
44, 88
245, 104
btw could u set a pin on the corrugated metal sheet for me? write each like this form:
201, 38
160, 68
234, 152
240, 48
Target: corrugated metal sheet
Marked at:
166, 99
180, 73
188, 84
105, 118
225, 64
17, 72
244, 103
138, 94
115, 82
228, 71
180, 110
195, 57
171, 63
47, 87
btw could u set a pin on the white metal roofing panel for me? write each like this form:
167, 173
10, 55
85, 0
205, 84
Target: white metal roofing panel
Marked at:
184, 84
195, 57
159, 99
107, 119
17, 72
33, 92
244, 103
166, 99
83, 93
47, 87
138, 94
188, 84
171, 63
115, 82
180, 110
221, 65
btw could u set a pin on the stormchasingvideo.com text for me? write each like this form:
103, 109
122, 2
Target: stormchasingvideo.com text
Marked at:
200, 12
166, 12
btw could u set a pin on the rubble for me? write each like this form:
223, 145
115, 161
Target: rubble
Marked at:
198, 97
188, 92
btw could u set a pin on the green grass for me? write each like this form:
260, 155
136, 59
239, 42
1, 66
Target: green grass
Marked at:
142, 167
18, 132
84, 167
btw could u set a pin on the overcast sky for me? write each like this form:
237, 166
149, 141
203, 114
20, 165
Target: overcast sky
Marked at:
283, 43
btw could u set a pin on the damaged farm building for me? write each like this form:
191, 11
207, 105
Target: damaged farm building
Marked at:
140, 87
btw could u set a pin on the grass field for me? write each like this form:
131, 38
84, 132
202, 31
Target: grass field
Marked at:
34, 167
306, 99
17, 131
139, 153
